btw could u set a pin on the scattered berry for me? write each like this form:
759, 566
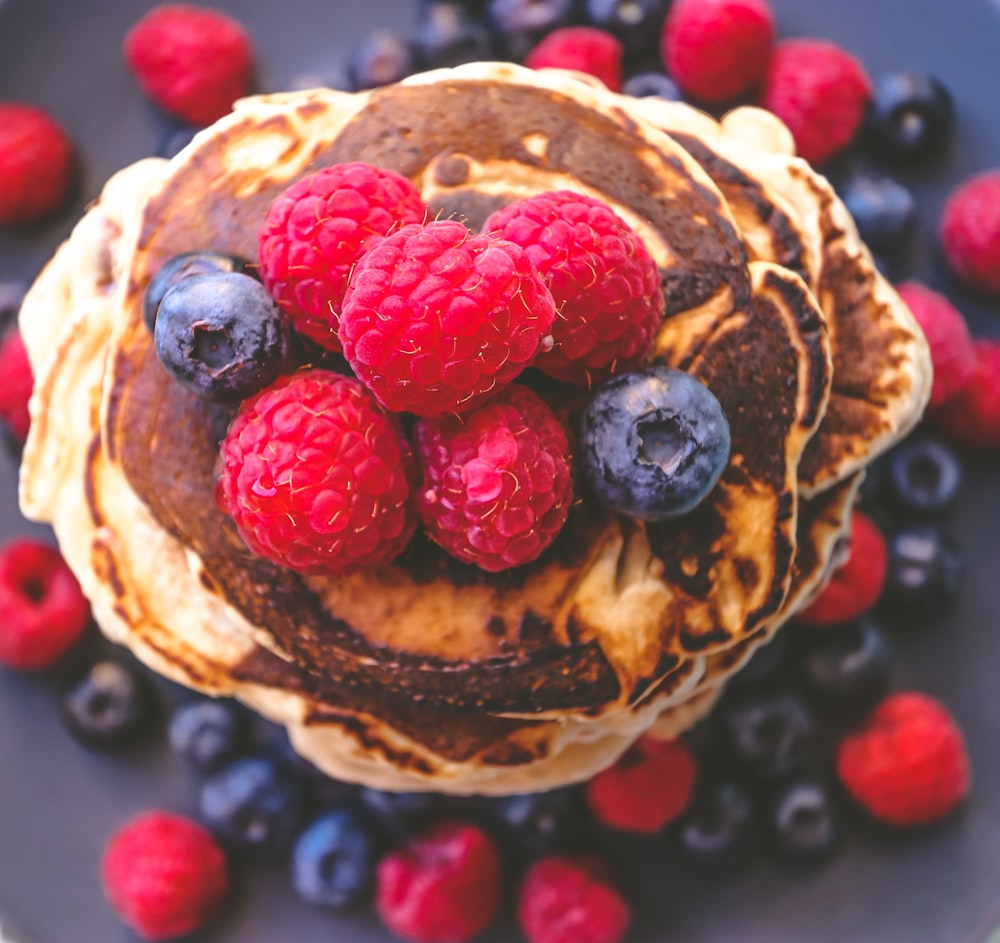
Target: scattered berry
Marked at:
317, 477
855, 586
11, 298
650, 785
924, 476
582, 49
721, 832
564, 899
447, 34
37, 164
443, 886
970, 231
907, 764
605, 285
315, 232
884, 211
925, 573
765, 662
717, 50
398, 812
381, 58
911, 116
18, 381
971, 418
192, 61
164, 875
653, 443
541, 822
42, 609
805, 826
650, 84
952, 355
636, 23
208, 733
518, 25
496, 481
820, 92
436, 320
109, 706
771, 734
175, 140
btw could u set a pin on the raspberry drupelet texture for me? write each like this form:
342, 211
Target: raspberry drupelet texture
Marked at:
164, 875
436, 319
971, 418
605, 284
318, 228
317, 477
970, 232
582, 49
496, 481
18, 380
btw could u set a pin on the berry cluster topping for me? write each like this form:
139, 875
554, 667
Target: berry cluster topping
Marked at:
581, 49
316, 231
497, 486
317, 477
606, 286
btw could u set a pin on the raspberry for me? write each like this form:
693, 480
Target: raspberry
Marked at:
650, 785
717, 50
907, 764
856, 585
43, 612
820, 92
194, 62
317, 477
436, 319
972, 417
164, 875
606, 286
15, 391
443, 886
582, 49
318, 228
970, 232
497, 485
37, 163
570, 899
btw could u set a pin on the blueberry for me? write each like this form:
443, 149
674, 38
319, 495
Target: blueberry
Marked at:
884, 210
770, 734
925, 573
520, 24
654, 443
763, 664
11, 296
208, 733
636, 23
334, 858
186, 265
176, 140
721, 831
447, 35
398, 812
110, 706
911, 115
804, 823
254, 805
380, 59
539, 823
222, 336
650, 84
924, 475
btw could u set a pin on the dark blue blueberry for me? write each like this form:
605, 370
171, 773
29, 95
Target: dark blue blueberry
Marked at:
650, 84
323, 790
520, 24
884, 210
208, 733
109, 706
911, 115
721, 831
254, 805
176, 140
446, 34
925, 572
398, 813
186, 265
334, 858
653, 443
771, 735
763, 664
222, 336
636, 23
538, 823
380, 59
805, 825
925, 476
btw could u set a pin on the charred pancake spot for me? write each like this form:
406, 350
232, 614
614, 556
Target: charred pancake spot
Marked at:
369, 739
512, 754
102, 560
89, 485
747, 572
451, 170
534, 630
496, 626
695, 642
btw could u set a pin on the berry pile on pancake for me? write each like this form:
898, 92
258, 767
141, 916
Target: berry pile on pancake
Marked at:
428, 672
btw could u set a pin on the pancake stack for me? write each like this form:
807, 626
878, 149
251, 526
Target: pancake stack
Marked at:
428, 674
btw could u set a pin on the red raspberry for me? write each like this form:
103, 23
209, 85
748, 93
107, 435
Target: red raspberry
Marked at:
970, 232
855, 585
497, 484
43, 612
436, 319
907, 764
441, 887
37, 163
582, 49
650, 785
15, 391
318, 228
194, 62
606, 286
972, 417
717, 50
821, 92
566, 899
317, 477
164, 875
